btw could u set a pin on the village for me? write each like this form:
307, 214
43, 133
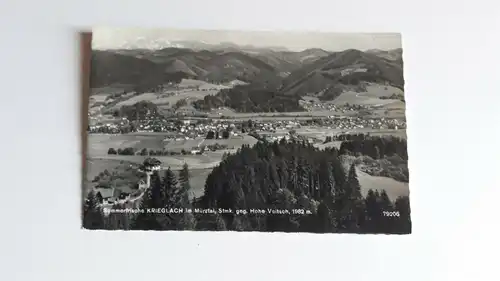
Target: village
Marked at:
311, 105
190, 128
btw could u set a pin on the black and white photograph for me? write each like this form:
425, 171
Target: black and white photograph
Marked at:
267, 131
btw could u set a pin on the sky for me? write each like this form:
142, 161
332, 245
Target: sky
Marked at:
114, 38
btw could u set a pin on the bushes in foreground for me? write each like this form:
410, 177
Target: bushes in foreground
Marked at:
119, 151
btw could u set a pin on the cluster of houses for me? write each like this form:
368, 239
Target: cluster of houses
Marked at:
348, 71
110, 195
109, 126
179, 130
276, 137
272, 126
319, 106
192, 129
332, 122
351, 123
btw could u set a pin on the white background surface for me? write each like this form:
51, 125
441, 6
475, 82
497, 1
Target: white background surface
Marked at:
451, 56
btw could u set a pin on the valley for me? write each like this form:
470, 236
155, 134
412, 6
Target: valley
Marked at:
227, 115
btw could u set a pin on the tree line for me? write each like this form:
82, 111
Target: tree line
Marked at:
140, 110
225, 134
394, 96
346, 137
376, 146
145, 152
250, 98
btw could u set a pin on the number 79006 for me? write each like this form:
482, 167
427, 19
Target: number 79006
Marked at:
390, 214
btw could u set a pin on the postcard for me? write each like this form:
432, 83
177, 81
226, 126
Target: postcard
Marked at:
215, 130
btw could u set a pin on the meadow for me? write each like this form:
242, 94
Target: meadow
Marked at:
166, 98
98, 144
188, 89
392, 187
370, 96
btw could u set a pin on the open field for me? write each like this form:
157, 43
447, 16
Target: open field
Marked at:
321, 133
98, 144
163, 98
111, 89
233, 141
197, 180
188, 89
392, 187
396, 133
299, 115
175, 162
93, 110
192, 83
98, 98
384, 108
393, 110
351, 97
387, 108
368, 97
102, 118
335, 144
178, 145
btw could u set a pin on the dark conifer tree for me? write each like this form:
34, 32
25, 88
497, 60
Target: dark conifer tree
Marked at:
187, 221
385, 203
403, 223
171, 188
302, 178
355, 201
326, 181
174, 199
239, 196
354, 188
118, 220
220, 224
237, 225
158, 192
292, 176
377, 153
282, 173
373, 212
146, 220
93, 217
185, 185
324, 219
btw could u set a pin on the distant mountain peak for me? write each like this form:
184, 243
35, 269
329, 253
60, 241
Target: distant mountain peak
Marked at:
161, 43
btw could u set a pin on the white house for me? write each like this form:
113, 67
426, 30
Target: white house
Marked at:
155, 168
142, 184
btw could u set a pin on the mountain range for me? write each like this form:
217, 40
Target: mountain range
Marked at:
160, 43
285, 73
343, 68
145, 66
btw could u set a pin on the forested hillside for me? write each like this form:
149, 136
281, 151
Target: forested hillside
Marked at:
278, 176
